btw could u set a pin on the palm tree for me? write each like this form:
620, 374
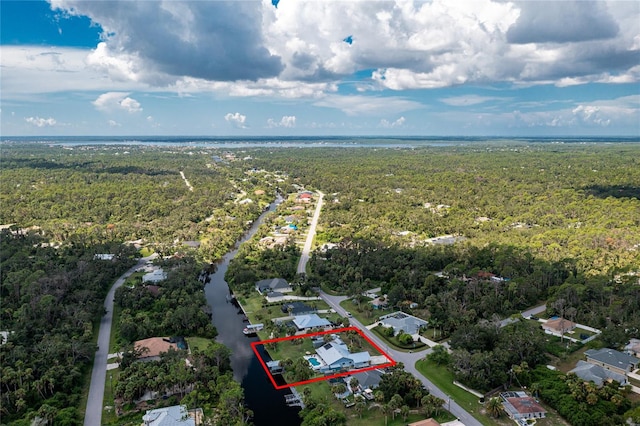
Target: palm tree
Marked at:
404, 410
395, 403
494, 407
386, 409
378, 396
360, 406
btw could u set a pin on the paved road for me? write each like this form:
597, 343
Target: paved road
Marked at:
93, 413
526, 314
306, 250
534, 311
408, 359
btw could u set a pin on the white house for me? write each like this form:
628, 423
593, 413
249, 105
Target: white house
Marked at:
154, 276
336, 356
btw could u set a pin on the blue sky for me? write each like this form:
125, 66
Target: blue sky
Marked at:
316, 67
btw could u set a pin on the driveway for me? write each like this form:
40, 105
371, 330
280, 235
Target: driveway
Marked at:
408, 359
93, 413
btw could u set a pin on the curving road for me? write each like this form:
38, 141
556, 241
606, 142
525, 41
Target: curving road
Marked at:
93, 412
306, 250
408, 359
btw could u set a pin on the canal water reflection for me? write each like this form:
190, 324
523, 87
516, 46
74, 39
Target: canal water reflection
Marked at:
267, 403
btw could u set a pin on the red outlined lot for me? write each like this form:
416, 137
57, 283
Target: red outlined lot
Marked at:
254, 346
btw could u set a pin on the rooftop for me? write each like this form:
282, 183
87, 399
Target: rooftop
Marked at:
612, 358
155, 346
310, 321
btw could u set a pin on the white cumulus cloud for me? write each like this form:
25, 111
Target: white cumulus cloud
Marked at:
392, 124
288, 121
112, 101
41, 122
237, 119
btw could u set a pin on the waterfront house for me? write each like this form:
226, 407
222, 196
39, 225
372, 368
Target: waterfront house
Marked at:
176, 415
296, 308
273, 284
306, 322
152, 347
336, 357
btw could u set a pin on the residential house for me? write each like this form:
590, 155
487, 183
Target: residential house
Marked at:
425, 422
305, 322
154, 276
372, 293
369, 379
379, 303
273, 284
336, 356
402, 322
152, 347
558, 326
519, 405
296, 308
597, 374
612, 360
104, 256
633, 347
176, 415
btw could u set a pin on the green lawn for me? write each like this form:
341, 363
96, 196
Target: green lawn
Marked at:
443, 379
109, 415
393, 341
361, 313
200, 343
146, 251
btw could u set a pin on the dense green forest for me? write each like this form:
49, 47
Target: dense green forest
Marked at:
49, 299
560, 222
127, 193
560, 201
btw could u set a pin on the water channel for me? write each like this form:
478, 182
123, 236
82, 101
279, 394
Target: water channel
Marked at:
267, 403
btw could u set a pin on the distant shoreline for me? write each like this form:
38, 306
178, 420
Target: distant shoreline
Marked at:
227, 142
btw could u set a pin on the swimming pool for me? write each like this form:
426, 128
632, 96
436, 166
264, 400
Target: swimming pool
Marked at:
314, 362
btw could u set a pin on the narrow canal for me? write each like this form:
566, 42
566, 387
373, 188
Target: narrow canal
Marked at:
268, 404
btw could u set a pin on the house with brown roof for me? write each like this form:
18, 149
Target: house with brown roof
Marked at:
425, 422
558, 326
519, 405
152, 347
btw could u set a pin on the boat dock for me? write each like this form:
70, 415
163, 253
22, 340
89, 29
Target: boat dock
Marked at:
294, 399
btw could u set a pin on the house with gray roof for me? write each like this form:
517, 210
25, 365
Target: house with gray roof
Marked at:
305, 322
403, 323
336, 357
176, 415
369, 379
597, 374
613, 360
271, 285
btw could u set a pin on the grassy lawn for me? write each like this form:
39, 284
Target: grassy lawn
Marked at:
109, 415
393, 341
443, 379
200, 343
363, 315
287, 349
146, 251
569, 362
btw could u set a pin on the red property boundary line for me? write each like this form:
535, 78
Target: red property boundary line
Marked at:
254, 346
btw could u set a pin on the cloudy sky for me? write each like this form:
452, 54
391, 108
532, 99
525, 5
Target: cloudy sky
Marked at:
314, 67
